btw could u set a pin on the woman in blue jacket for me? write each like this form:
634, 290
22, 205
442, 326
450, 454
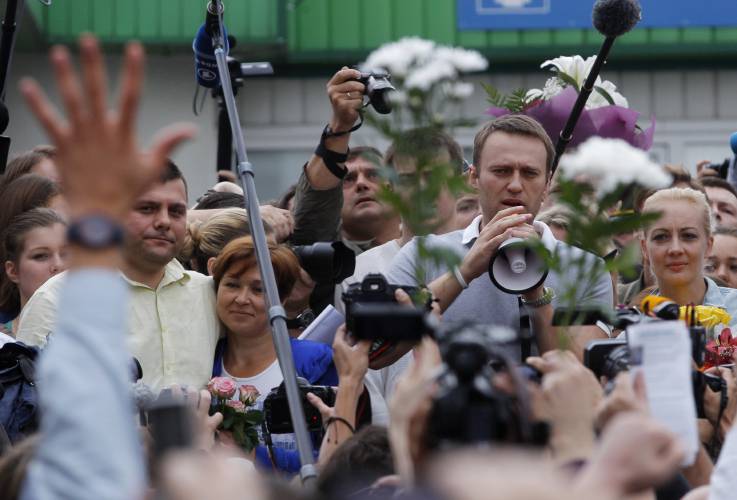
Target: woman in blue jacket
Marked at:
247, 353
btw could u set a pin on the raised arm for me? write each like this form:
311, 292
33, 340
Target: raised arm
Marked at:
89, 447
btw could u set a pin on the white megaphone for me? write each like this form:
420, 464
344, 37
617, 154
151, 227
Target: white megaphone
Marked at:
516, 267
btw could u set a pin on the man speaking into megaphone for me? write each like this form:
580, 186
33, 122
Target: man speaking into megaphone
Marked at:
512, 163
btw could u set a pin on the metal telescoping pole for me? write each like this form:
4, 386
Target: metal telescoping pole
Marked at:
277, 314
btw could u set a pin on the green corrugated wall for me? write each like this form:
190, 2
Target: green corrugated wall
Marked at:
328, 31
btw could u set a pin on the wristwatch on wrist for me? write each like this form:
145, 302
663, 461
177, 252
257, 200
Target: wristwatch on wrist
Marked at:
302, 320
546, 298
96, 232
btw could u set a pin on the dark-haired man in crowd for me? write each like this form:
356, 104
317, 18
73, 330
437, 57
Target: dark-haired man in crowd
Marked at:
172, 325
723, 200
512, 164
366, 220
337, 194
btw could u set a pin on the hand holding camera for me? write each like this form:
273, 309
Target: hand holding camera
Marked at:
346, 97
721, 419
628, 395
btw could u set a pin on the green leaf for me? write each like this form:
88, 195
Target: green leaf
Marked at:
568, 80
604, 94
228, 422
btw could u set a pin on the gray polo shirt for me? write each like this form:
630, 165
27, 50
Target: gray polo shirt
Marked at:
482, 301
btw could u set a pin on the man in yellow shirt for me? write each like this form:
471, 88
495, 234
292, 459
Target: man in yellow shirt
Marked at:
172, 324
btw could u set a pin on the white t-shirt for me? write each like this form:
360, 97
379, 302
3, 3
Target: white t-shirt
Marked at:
268, 379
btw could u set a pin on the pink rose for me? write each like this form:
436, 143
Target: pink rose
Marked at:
236, 405
249, 395
222, 387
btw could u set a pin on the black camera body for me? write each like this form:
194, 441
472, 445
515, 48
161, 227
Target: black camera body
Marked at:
607, 358
378, 87
326, 262
277, 418
372, 311
722, 169
468, 408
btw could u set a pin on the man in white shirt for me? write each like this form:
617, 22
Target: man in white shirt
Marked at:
172, 324
400, 156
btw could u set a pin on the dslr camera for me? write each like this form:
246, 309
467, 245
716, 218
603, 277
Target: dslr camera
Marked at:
607, 358
378, 89
372, 313
326, 262
468, 408
277, 418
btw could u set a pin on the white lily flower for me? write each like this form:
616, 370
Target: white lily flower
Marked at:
609, 163
575, 67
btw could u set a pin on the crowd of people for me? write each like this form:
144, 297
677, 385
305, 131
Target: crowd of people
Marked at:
105, 263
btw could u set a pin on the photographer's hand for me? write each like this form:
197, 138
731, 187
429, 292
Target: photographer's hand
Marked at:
281, 221
712, 402
628, 395
409, 407
351, 362
636, 453
346, 98
570, 394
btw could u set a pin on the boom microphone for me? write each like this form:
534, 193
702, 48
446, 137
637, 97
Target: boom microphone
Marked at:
613, 18
205, 65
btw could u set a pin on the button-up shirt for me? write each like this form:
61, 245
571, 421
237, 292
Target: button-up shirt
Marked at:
172, 329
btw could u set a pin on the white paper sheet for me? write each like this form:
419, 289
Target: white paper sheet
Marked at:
662, 351
322, 329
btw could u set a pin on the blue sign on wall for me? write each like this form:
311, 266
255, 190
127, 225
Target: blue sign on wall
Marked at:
562, 14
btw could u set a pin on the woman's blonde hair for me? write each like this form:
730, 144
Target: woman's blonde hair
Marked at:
207, 239
688, 195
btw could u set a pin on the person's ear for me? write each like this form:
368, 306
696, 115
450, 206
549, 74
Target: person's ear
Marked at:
210, 265
11, 271
473, 176
643, 247
709, 245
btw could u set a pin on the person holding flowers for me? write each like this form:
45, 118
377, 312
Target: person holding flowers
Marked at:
246, 358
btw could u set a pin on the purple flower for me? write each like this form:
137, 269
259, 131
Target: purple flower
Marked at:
613, 122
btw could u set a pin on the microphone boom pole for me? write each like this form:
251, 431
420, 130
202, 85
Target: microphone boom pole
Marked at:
612, 18
277, 314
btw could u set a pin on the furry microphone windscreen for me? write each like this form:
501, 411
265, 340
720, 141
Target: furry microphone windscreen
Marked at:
613, 18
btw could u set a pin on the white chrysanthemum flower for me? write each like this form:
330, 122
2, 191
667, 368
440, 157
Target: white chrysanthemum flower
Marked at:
609, 163
398, 57
432, 72
398, 96
465, 61
458, 90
